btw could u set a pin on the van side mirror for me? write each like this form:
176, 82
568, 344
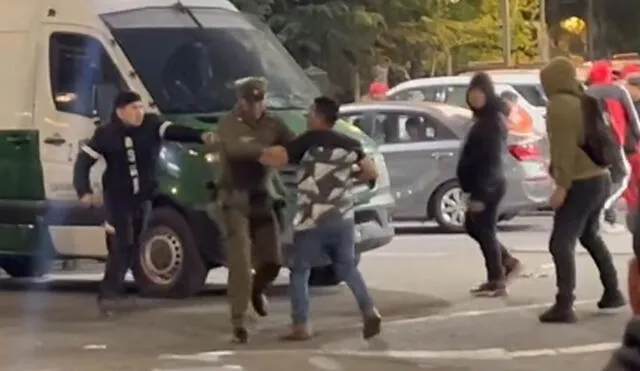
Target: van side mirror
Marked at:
103, 97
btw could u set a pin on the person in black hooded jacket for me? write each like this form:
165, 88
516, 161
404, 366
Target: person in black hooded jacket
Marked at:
481, 176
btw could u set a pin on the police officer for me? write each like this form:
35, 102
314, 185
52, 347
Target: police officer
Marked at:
129, 145
249, 220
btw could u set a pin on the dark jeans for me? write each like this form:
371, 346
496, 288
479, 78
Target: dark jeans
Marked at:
482, 227
338, 241
124, 226
578, 219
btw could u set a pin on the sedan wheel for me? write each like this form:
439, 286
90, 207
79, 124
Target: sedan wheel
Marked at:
449, 207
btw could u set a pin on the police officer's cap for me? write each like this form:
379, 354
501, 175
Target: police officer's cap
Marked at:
251, 88
125, 98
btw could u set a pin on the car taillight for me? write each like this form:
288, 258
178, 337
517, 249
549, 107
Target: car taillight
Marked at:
525, 152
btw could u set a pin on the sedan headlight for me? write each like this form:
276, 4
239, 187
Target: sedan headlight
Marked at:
383, 172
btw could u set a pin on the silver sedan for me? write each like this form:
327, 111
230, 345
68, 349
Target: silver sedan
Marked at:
420, 143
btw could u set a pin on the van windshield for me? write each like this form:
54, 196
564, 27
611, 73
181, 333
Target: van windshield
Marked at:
188, 69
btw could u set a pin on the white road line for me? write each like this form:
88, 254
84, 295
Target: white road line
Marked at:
472, 354
477, 313
405, 254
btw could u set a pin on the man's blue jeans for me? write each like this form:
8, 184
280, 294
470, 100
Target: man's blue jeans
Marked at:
337, 240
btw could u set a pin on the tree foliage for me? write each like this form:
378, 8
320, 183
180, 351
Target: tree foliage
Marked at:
414, 37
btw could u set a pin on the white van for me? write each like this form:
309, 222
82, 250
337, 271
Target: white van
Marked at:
62, 63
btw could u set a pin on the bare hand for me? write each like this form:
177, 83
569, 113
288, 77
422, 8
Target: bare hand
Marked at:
87, 199
557, 198
476, 206
275, 156
90, 200
97, 200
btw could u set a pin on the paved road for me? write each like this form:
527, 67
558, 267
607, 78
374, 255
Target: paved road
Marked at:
420, 282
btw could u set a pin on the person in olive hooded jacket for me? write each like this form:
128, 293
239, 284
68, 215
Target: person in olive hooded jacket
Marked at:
578, 199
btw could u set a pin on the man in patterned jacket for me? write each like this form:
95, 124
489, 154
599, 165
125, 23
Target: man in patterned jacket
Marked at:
324, 221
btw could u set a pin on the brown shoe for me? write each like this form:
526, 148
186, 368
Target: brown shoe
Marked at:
372, 324
298, 333
240, 335
492, 289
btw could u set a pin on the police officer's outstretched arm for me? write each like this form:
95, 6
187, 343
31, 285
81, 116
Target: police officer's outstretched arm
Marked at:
167, 130
233, 143
88, 155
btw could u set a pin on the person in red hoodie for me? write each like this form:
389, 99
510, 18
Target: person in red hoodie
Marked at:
624, 120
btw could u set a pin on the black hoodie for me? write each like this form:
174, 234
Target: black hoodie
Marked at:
627, 357
480, 170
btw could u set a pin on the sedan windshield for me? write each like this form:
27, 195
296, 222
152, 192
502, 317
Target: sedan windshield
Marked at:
188, 69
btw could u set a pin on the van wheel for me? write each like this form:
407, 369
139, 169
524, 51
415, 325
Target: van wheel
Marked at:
22, 266
169, 263
326, 276
448, 207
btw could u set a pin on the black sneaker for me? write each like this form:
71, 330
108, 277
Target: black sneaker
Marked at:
260, 303
559, 314
612, 300
490, 290
107, 307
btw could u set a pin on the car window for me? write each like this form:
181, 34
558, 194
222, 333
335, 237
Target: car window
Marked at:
419, 94
358, 120
533, 94
408, 127
456, 95
79, 64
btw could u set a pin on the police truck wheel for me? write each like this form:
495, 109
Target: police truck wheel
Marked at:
22, 266
168, 263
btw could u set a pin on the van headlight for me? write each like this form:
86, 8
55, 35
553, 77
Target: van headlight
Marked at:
212, 158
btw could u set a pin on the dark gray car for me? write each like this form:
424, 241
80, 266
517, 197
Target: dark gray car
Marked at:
422, 163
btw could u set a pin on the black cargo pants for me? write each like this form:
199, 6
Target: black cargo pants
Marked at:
482, 227
578, 219
124, 226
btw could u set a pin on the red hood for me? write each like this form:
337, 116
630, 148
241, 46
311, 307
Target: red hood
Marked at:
601, 73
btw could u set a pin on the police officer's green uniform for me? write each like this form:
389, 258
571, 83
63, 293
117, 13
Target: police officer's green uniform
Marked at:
249, 220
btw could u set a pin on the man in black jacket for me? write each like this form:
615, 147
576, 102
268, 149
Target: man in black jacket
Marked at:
129, 145
481, 175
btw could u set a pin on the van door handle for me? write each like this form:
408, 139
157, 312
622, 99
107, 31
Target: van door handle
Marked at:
442, 154
55, 141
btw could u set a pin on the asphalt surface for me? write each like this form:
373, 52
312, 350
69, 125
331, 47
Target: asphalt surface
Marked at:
420, 282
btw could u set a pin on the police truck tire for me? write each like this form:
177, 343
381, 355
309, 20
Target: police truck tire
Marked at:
168, 263
22, 266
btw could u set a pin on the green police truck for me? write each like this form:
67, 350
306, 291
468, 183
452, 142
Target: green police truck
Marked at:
62, 62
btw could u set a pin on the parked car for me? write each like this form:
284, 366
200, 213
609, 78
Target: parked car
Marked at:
452, 90
422, 166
